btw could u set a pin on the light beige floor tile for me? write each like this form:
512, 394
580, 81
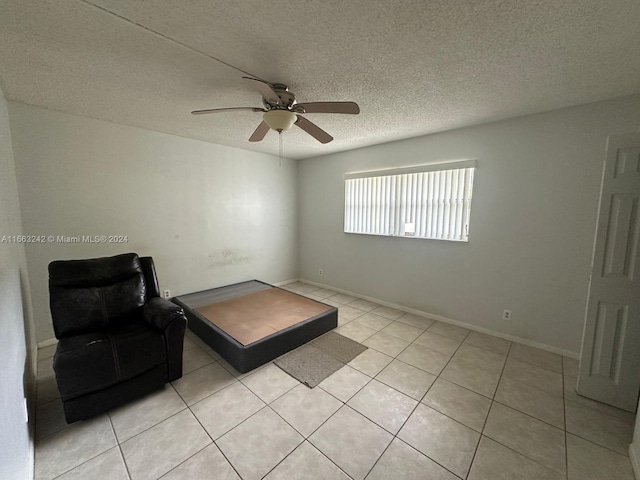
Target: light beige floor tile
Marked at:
60, 452
438, 343
372, 321
270, 383
415, 321
571, 395
383, 405
313, 296
449, 330
194, 358
47, 352
356, 331
588, 461
225, 409
323, 293
406, 378
307, 288
328, 301
207, 463
400, 461
106, 466
440, 438
488, 342
306, 463
188, 343
424, 358
388, 312
547, 380
305, 409
351, 441
46, 390
401, 330
200, 343
365, 305
532, 401
570, 367
386, 344
144, 413
472, 377
49, 418
342, 298
257, 445
599, 428
537, 357
344, 383
370, 362
496, 462
465, 406
488, 360
154, 452
349, 313
532, 438
202, 382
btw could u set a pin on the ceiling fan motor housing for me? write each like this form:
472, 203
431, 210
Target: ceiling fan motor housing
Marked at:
287, 98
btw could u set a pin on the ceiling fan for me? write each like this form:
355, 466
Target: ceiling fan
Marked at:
281, 111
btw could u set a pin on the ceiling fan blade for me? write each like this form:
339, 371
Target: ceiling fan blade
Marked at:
265, 89
230, 109
330, 107
259, 132
313, 130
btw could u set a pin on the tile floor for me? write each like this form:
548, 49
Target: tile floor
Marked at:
426, 400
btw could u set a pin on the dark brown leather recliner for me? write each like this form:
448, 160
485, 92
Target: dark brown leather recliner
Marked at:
118, 340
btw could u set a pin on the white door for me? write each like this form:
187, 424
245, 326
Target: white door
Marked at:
610, 357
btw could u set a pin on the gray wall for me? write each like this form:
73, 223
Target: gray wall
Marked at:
17, 345
209, 215
532, 224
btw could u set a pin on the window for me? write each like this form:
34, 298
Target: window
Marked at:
428, 201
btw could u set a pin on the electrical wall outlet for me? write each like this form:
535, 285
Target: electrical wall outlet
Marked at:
166, 293
506, 314
320, 272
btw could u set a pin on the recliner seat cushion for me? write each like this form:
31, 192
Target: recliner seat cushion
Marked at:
97, 360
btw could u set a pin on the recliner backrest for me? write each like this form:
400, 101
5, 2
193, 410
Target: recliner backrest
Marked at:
87, 295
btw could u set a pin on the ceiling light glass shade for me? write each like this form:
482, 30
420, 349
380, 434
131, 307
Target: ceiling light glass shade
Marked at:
279, 120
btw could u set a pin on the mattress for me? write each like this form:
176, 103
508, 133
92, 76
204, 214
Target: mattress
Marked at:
251, 323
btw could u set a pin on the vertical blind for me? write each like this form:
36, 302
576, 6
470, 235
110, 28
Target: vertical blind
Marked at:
429, 201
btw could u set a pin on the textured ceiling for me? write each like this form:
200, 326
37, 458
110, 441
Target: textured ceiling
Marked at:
414, 67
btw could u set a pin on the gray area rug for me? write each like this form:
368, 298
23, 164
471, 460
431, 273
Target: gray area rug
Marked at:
315, 361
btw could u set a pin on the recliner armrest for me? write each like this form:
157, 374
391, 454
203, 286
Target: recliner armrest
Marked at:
160, 312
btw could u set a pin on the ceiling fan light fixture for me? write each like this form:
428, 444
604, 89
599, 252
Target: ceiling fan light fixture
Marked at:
279, 120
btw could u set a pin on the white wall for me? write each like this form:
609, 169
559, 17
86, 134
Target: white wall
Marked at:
209, 215
17, 344
532, 224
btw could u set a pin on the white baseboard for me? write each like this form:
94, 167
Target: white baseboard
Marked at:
440, 318
285, 282
635, 461
432, 316
48, 342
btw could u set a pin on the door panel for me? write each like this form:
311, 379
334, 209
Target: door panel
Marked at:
610, 357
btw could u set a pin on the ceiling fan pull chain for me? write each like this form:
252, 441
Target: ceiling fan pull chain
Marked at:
280, 146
